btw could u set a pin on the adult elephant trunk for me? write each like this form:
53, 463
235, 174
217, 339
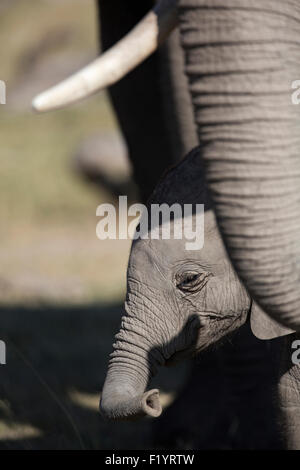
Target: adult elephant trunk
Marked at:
241, 58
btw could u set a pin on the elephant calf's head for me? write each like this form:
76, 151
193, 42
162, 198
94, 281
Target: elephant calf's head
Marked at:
182, 300
178, 301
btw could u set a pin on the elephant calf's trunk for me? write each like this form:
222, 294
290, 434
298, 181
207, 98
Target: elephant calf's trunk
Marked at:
124, 404
131, 366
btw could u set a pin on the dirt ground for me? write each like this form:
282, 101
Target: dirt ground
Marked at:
61, 289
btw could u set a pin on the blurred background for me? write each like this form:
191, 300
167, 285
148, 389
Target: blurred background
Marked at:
61, 289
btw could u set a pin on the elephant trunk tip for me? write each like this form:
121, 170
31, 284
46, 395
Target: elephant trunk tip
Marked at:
151, 403
120, 407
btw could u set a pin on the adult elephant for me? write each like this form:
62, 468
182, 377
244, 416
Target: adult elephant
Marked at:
241, 59
181, 301
155, 114
139, 100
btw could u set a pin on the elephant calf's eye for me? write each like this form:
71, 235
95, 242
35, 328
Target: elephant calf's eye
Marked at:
191, 281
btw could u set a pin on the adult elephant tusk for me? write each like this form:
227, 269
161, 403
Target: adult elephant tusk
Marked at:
114, 64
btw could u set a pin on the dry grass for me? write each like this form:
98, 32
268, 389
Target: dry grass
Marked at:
49, 250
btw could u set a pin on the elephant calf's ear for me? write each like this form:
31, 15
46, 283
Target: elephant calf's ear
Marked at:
264, 327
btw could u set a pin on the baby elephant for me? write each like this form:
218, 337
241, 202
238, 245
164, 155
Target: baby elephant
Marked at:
179, 302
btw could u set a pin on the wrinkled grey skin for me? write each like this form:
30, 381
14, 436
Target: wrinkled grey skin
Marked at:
241, 57
162, 319
178, 303
222, 104
240, 61
289, 395
167, 132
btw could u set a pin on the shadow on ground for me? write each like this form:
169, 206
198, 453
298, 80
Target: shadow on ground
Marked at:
55, 368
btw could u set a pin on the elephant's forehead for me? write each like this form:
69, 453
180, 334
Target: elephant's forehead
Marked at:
145, 254
171, 251
160, 255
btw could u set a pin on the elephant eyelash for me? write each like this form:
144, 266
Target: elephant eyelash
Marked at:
191, 281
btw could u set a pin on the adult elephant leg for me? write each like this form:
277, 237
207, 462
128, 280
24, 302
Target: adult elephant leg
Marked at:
177, 103
241, 58
137, 98
289, 392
